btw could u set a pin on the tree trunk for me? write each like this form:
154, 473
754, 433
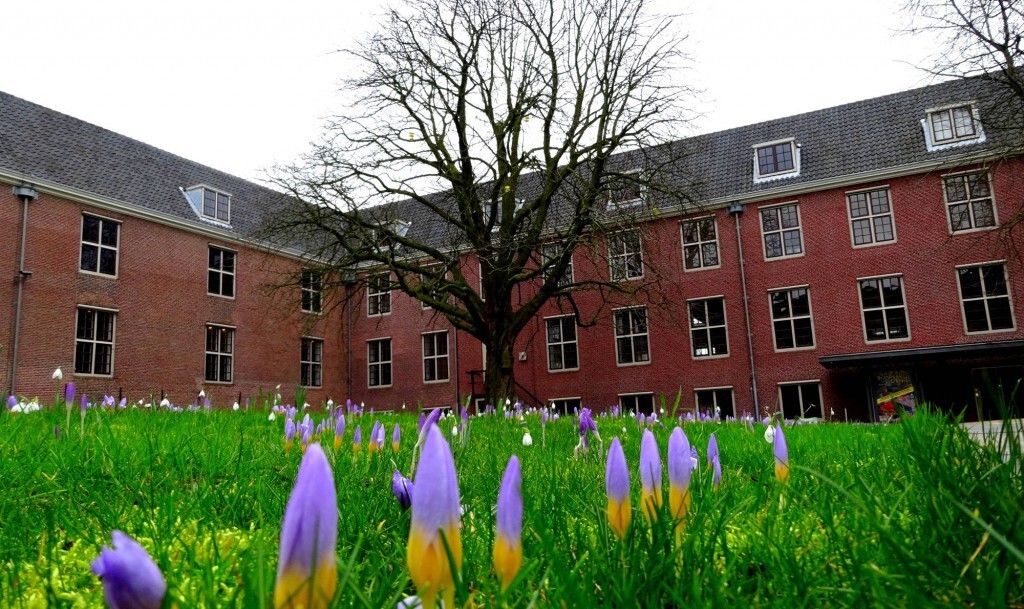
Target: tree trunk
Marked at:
499, 379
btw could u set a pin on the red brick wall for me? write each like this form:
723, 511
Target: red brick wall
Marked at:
924, 253
160, 295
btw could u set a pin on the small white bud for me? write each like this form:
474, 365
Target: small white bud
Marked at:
58, 375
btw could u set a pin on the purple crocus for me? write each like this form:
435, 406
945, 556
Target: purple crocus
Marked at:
289, 435
419, 425
11, 402
781, 450
339, 431
306, 572
56, 431
435, 512
650, 476
372, 445
402, 488
396, 438
83, 405
131, 580
69, 393
714, 461
617, 487
680, 469
508, 539
357, 438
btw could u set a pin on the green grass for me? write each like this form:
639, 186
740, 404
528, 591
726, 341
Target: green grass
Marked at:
908, 515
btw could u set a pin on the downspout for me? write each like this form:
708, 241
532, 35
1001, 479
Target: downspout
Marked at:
736, 209
26, 194
458, 371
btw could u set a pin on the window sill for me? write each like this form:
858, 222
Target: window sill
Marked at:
785, 257
220, 296
437, 382
97, 274
576, 369
93, 376
631, 364
379, 386
698, 358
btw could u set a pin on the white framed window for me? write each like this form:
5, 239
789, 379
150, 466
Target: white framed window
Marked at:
774, 160
550, 251
781, 231
563, 353
801, 400
565, 406
210, 203
312, 287
628, 191
95, 331
884, 309
953, 124
870, 213
435, 357
100, 237
220, 353
378, 295
220, 277
709, 334
969, 204
625, 255
311, 362
792, 325
637, 402
985, 298
700, 244
715, 399
431, 278
378, 362
632, 344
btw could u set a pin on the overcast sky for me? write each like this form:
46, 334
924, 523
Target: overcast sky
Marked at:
241, 86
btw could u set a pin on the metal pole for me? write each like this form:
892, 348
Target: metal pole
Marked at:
26, 194
736, 210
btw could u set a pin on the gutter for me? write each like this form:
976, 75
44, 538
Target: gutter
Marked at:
736, 209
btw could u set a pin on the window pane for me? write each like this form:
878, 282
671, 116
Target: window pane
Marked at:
213, 282
975, 316
640, 351
716, 312
970, 282
227, 285
800, 301
880, 201
963, 122
104, 326
780, 305
983, 214
978, 184
803, 334
691, 256
942, 127
86, 324
569, 329
1000, 314
554, 331
211, 367
811, 400
109, 234
956, 189
770, 219
995, 280
790, 396
209, 203
228, 261
874, 325
710, 251
897, 320
701, 343
103, 360
959, 217
773, 245
108, 261
790, 219
624, 350
698, 313
858, 205
861, 232
883, 228
90, 257
892, 291
225, 368
570, 356
791, 238
719, 341
639, 320
90, 229
83, 357
869, 294
226, 340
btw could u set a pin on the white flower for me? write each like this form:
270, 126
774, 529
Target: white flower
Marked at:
623, 430
455, 431
164, 403
272, 416
58, 375
693, 463
305, 405
234, 406
508, 402
769, 435
527, 439
330, 403
278, 388
202, 393
662, 410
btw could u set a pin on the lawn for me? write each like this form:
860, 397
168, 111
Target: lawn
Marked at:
912, 514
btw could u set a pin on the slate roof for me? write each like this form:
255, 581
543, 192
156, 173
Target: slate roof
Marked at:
865, 136
44, 144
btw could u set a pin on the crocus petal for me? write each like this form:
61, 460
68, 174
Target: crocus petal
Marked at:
435, 511
650, 475
781, 456
130, 577
402, 489
508, 540
396, 438
306, 572
617, 486
714, 461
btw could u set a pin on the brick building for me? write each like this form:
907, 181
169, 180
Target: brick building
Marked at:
842, 263
140, 273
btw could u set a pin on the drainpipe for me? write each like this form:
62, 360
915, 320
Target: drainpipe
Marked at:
736, 209
458, 371
26, 194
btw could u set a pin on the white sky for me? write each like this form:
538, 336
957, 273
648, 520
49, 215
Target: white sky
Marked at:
241, 86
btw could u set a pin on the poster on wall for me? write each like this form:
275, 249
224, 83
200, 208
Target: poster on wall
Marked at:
894, 394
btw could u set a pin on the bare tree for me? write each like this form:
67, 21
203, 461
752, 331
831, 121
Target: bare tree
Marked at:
512, 133
980, 40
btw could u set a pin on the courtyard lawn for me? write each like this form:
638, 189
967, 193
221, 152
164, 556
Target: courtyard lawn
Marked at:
907, 515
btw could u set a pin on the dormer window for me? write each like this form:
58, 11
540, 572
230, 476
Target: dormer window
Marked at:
210, 203
773, 160
952, 125
628, 191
